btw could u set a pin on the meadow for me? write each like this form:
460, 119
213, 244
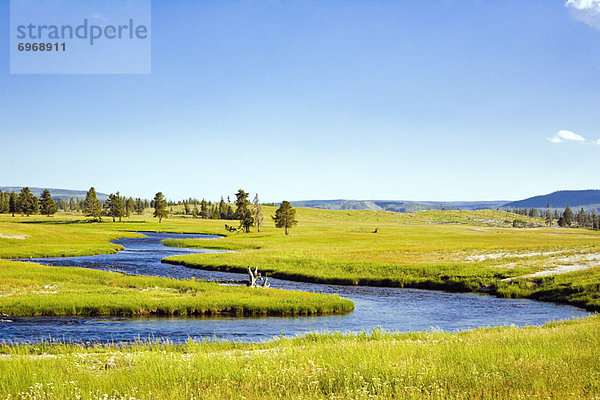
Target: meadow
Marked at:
38, 290
558, 360
449, 250
28, 289
444, 250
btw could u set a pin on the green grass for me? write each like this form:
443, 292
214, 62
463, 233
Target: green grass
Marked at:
558, 360
29, 289
581, 289
444, 250
34, 290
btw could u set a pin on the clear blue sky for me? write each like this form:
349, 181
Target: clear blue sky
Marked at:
420, 100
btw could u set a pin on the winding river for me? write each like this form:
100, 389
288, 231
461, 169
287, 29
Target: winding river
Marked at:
389, 308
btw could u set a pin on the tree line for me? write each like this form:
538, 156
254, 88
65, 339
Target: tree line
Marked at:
249, 214
566, 219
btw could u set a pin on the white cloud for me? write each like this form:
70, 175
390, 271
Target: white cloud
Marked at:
563, 135
587, 11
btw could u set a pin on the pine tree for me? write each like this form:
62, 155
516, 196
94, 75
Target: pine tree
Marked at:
115, 206
285, 216
92, 206
568, 216
222, 209
548, 215
13, 204
160, 206
129, 207
258, 214
203, 209
581, 218
26, 202
243, 212
47, 204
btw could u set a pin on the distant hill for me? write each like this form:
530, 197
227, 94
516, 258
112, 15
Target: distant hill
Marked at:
588, 199
57, 194
398, 205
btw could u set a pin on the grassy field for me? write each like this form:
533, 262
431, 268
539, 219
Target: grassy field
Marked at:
447, 250
32, 290
558, 360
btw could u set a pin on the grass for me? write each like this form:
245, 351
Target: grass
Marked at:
581, 289
558, 360
35, 290
446, 250
30, 289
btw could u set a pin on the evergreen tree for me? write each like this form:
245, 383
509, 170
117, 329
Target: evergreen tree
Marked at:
13, 204
222, 209
129, 207
91, 205
581, 217
115, 206
36, 204
47, 204
204, 209
72, 205
243, 212
160, 206
25, 202
2, 202
285, 216
561, 221
548, 215
258, 214
568, 216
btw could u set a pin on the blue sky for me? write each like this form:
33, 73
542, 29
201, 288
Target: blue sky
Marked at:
419, 100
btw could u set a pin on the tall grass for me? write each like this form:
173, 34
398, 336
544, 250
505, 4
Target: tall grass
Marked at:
558, 360
33, 290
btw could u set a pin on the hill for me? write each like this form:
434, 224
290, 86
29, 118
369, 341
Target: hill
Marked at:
588, 199
57, 194
398, 205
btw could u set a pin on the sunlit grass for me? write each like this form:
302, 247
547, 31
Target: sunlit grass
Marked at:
558, 360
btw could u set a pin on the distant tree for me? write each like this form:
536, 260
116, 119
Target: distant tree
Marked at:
285, 216
13, 204
160, 206
204, 209
2, 203
36, 204
72, 205
47, 204
568, 216
115, 206
561, 221
548, 215
222, 209
129, 207
25, 202
243, 212
581, 217
91, 205
258, 214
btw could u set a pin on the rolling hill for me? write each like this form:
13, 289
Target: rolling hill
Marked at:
57, 194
